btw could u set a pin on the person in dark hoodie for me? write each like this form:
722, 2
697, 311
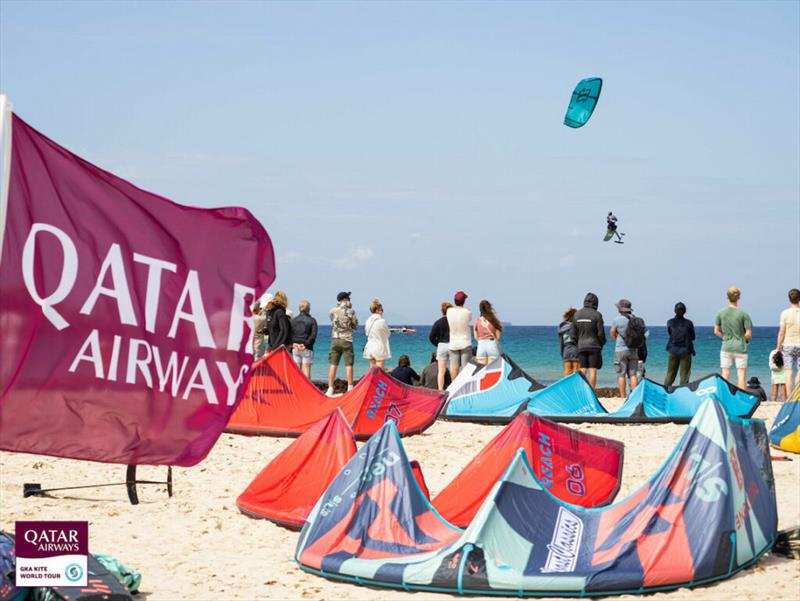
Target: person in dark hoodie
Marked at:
304, 334
568, 340
680, 346
279, 328
591, 337
440, 338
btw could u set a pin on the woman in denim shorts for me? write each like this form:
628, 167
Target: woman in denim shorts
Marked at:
487, 331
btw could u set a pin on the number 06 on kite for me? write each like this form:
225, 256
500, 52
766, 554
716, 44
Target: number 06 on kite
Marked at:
584, 99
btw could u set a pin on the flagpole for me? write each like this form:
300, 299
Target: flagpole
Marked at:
5, 165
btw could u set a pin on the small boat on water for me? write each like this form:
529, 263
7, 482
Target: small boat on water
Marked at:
402, 330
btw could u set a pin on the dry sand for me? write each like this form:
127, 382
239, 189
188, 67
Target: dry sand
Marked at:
198, 545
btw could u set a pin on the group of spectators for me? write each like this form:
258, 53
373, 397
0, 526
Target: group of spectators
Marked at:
582, 338
451, 335
581, 334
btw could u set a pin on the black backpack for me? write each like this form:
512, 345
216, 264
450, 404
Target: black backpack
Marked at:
634, 333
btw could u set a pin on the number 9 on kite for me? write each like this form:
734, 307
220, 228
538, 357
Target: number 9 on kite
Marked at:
584, 99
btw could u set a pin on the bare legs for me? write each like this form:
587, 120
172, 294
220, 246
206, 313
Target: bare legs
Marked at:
441, 375
591, 375
621, 383
777, 391
741, 377
331, 377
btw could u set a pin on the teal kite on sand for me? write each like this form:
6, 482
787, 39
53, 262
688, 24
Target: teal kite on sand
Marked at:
583, 101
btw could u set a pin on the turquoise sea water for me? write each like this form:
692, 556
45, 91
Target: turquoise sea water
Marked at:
535, 349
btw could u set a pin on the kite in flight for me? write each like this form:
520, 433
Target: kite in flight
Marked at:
584, 99
611, 222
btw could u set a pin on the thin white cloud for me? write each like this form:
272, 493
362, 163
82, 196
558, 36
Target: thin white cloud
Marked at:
353, 258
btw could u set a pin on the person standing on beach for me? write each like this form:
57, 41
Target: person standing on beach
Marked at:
568, 340
440, 338
259, 326
460, 344
736, 330
629, 332
487, 329
304, 334
591, 337
343, 322
778, 376
680, 346
789, 338
279, 328
377, 330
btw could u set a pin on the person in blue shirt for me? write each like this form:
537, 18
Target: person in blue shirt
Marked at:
680, 346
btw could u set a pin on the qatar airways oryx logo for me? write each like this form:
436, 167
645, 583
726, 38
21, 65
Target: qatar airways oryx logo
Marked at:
51, 553
174, 344
562, 552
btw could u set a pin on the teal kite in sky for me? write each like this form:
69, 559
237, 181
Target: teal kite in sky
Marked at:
583, 101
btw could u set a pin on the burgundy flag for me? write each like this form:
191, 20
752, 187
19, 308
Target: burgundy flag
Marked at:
125, 324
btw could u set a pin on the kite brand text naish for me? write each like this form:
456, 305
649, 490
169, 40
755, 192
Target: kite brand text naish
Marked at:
151, 354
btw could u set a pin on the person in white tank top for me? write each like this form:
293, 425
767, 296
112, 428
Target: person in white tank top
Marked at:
789, 339
459, 320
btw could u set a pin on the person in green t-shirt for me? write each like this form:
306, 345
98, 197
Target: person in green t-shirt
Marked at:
736, 330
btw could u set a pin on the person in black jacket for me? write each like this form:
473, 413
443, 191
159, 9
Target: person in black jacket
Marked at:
278, 328
440, 338
568, 341
404, 372
680, 346
591, 337
304, 334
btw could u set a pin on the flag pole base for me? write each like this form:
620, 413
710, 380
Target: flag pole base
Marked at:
31, 489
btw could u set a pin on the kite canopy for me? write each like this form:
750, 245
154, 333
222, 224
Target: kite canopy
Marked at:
288, 487
706, 514
572, 399
282, 401
584, 99
494, 392
579, 468
785, 431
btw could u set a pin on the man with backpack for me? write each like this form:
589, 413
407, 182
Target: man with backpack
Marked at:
629, 331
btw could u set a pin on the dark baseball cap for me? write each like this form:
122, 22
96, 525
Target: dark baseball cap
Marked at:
343, 295
623, 305
460, 296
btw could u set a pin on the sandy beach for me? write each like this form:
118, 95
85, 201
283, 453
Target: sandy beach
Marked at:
198, 545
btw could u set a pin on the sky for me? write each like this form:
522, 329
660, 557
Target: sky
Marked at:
409, 150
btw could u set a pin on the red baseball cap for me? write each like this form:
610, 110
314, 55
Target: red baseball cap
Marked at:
460, 296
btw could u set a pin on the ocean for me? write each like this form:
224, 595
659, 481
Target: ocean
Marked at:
536, 350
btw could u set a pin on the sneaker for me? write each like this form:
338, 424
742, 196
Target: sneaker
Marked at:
329, 392
349, 387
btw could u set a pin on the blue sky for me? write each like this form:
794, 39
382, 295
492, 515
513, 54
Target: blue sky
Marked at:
408, 150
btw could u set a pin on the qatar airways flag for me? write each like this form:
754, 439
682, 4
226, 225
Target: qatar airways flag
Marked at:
125, 325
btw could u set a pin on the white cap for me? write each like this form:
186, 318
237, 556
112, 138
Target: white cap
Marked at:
265, 298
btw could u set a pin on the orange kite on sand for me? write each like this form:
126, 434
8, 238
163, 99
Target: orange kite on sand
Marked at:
282, 401
577, 468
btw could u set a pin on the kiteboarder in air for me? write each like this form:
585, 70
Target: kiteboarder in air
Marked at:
611, 222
